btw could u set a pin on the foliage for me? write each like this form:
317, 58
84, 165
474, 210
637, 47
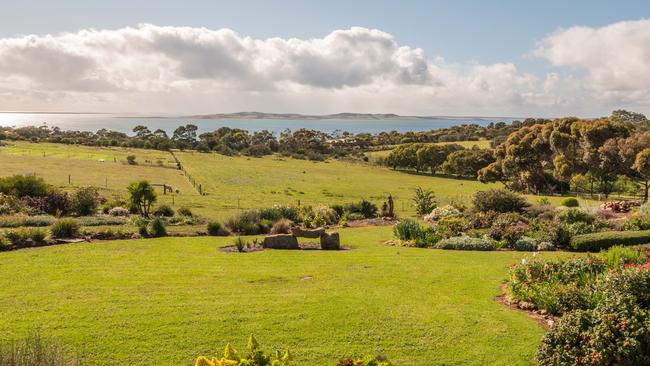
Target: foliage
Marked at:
467, 162
407, 229
23, 186
156, 228
424, 201
617, 256
240, 244
363, 207
84, 201
248, 223
451, 226
164, 211
442, 212
465, 243
574, 215
215, 228
602, 240
499, 200
65, 228
282, 226
22, 237
278, 212
525, 244
365, 361
184, 211
118, 211
142, 196
254, 357
24, 220
570, 202
35, 350
328, 214
130, 159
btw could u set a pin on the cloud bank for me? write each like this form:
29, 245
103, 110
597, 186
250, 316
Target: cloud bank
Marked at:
151, 68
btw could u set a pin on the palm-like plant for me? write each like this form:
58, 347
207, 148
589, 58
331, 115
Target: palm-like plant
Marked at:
424, 201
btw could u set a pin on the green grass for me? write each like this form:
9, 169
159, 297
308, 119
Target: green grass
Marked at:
262, 182
165, 301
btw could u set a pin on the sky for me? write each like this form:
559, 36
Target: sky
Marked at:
498, 58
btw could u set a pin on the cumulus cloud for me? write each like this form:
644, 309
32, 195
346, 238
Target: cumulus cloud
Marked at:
193, 70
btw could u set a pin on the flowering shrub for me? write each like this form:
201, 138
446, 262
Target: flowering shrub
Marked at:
254, 357
442, 212
118, 211
452, 226
465, 243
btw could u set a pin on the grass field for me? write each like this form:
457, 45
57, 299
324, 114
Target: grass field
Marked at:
164, 301
261, 182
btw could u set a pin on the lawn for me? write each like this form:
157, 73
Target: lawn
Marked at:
261, 182
164, 301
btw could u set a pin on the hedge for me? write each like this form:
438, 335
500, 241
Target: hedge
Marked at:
595, 242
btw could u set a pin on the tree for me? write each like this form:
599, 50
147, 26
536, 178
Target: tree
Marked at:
141, 132
142, 197
642, 166
467, 162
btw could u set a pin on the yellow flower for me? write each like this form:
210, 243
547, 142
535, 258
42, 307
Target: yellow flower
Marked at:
229, 353
252, 343
203, 361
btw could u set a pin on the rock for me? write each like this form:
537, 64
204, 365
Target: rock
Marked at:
524, 305
308, 233
330, 241
280, 241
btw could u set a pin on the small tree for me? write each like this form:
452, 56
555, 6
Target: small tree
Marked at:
424, 201
130, 159
142, 196
85, 201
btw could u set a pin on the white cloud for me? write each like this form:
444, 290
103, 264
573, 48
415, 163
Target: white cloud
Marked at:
150, 68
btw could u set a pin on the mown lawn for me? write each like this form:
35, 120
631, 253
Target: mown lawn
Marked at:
164, 301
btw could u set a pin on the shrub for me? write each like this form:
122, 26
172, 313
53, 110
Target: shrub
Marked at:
278, 212
184, 211
24, 220
24, 185
130, 159
598, 241
52, 203
637, 222
118, 211
25, 237
442, 212
525, 244
545, 246
499, 200
424, 201
156, 228
254, 357
617, 256
544, 212
340, 211
164, 211
84, 201
248, 223
240, 244
465, 243
570, 202
452, 226
328, 214
216, 229
282, 226
363, 207
615, 332
65, 228
408, 229
574, 215
353, 216
630, 282
35, 350
365, 361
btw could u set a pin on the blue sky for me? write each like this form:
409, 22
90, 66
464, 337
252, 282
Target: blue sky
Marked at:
461, 32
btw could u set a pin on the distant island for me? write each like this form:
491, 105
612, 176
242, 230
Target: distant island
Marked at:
298, 116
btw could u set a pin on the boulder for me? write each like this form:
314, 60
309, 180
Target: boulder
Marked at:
308, 233
280, 241
330, 241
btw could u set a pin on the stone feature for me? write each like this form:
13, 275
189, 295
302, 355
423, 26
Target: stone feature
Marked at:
280, 241
330, 241
308, 233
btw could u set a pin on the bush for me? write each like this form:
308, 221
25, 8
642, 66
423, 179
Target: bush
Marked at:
365, 361
617, 256
156, 228
65, 228
365, 208
353, 216
240, 244
118, 211
254, 357
465, 243
34, 350
525, 244
24, 220
25, 237
184, 211
328, 214
164, 211
248, 223
216, 229
24, 185
84, 201
598, 241
282, 226
130, 159
452, 226
408, 229
442, 212
570, 202
574, 215
616, 332
278, 212
543, 212
499, 200
424, 201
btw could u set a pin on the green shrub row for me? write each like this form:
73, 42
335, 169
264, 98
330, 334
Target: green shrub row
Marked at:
595, 242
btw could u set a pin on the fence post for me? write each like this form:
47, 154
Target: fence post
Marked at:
69, 179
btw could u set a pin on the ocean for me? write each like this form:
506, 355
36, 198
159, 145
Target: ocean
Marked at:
94, 122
